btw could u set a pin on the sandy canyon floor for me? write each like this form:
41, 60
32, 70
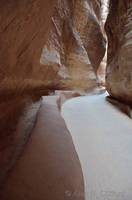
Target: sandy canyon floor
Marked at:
102, 136
86, 155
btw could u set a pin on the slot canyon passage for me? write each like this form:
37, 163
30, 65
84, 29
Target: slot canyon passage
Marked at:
65, 100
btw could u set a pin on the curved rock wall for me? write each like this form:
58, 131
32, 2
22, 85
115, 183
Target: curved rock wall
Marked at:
47, 45
68, 32
75, 43
75, 46
23, 32
24, 28
119, 69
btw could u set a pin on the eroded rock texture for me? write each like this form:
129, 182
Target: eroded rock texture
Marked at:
23, 32
75, 46
119, 69
45, 45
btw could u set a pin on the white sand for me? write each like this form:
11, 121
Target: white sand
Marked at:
103, 139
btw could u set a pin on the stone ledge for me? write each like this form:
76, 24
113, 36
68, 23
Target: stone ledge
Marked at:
17, 122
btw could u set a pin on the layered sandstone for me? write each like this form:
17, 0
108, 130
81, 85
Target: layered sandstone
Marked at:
119, 31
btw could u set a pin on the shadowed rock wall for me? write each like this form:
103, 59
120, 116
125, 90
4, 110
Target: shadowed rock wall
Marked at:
23, 32
119, 68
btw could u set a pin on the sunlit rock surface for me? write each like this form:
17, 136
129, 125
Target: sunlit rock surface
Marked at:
75, 46
49, 41
119, 69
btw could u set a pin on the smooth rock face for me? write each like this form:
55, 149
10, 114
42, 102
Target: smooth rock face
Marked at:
119, 69
75, 46
23, 32
17, 120
75, 43
24, 27
68, 32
